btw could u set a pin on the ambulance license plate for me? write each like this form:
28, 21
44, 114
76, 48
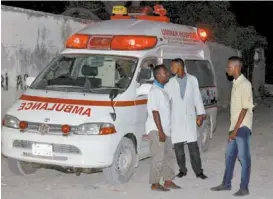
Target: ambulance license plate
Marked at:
42, 150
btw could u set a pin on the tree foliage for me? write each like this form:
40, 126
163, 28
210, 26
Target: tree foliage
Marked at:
94, 10
213, 16
216, 18
97, 9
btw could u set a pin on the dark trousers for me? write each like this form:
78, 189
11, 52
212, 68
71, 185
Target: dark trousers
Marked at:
240, 147
194, 156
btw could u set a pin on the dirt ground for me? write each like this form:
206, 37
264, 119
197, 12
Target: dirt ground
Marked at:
51, 184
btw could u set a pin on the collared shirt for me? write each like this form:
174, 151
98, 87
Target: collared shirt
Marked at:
182, 83
241, 98
158, 100
158, 84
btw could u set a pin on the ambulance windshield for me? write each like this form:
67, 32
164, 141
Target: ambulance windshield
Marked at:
87, 73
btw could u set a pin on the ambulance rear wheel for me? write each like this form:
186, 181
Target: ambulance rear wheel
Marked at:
204, 135
21, 168
124, 163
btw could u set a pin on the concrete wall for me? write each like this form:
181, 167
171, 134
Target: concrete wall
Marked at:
219, 56
258, 73
30, 40
269, 89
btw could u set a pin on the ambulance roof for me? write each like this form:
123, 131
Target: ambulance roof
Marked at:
133, 27
136, 35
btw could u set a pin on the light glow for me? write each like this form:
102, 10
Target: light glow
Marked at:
202, 34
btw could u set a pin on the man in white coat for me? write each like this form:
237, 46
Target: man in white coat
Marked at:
187, 111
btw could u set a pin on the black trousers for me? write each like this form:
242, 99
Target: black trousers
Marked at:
194, 156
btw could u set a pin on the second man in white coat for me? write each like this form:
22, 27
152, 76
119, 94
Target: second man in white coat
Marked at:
187, 111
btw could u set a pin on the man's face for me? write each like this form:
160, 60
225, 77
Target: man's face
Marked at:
175, 68
163, 75
230, 68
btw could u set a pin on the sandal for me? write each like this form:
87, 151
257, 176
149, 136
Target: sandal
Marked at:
158, 187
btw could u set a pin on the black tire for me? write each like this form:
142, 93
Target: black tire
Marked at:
116, 174
204, 135
21, 168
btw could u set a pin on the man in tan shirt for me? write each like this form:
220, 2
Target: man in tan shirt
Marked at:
241, 116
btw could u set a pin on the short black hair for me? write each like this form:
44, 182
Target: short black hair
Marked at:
179, 61
157, 68
236, 59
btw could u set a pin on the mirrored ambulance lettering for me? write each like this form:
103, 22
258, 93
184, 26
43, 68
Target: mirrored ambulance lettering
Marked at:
74, 109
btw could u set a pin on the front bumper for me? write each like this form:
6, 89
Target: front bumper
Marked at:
82, 151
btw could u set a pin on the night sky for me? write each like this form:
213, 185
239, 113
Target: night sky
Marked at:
253, 13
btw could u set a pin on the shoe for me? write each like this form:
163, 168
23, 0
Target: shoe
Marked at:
202, 176
241, 192
220, 187
181, 174
158, 187
171, 185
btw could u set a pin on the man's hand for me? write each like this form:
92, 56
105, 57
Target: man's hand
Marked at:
232, 135
162, 136
199, 120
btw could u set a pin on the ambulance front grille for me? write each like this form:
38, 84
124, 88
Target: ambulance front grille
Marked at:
54, 129
57, 148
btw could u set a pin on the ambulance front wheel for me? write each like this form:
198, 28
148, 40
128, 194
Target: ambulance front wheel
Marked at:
21, 168
204, 135
123, 167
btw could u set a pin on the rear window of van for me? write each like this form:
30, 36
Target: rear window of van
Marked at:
202, 70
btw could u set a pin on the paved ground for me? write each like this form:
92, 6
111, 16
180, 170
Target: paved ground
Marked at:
49, 184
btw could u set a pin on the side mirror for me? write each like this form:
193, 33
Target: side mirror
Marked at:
143, 89
29, 81
113, 94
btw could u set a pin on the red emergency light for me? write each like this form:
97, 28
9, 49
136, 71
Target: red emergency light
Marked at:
99, 42
131, 42
203, 35
117, 42
160, 10
77, 41
66, 129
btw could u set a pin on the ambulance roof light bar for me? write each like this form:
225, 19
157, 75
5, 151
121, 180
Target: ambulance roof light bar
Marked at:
141, 13
109, 42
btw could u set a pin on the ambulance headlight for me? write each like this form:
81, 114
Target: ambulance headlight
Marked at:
11, 122
95, 129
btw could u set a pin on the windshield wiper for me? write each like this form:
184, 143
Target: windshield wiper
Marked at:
105, 87
62, 86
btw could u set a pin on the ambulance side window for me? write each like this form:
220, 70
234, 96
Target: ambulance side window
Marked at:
202, 70
146, 72
167, 63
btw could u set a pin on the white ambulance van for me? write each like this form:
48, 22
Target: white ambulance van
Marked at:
87, 108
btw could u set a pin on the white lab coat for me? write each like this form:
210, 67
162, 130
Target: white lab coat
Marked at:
184, 112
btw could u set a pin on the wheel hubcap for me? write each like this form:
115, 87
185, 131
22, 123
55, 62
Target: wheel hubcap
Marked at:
125, 160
